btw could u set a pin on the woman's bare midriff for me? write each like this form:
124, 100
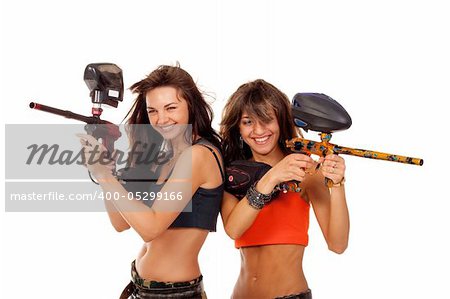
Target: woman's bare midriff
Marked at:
270, 271
172, 256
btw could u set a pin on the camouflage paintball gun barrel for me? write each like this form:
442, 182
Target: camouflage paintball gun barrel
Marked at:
319, 112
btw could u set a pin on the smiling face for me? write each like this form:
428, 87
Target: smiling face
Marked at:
262, 137
167, 111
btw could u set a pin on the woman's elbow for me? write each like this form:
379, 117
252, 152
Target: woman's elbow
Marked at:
149, 235
338, 248
232, 233
147, 239
121, 228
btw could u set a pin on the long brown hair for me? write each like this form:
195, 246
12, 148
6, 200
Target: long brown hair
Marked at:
200, 112
258, 98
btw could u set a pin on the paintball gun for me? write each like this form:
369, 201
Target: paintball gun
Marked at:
320, 113
105, 83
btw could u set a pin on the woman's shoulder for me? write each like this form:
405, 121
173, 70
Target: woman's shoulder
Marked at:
204, 156
206, 161
203, 142
204, 147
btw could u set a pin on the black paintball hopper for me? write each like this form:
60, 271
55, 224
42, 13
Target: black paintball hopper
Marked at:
105, 81
319, 112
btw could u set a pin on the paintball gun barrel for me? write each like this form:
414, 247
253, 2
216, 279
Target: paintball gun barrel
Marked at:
319, 112
95, 126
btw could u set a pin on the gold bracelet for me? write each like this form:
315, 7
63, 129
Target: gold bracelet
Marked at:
340, 184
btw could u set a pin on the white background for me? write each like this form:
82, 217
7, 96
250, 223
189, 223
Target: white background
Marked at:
386, 62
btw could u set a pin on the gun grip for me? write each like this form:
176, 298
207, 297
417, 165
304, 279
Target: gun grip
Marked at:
106, 133
90, 129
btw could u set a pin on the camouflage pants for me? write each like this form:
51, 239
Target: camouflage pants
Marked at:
303, 295
140, 288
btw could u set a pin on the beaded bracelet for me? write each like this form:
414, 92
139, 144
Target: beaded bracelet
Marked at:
257, 199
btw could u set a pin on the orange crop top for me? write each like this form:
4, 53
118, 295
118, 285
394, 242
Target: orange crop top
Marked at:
285, 220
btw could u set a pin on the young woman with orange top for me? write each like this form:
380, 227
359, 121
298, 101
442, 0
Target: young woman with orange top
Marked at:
268, 225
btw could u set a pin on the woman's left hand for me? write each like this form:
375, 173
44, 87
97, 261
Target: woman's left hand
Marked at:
96, 157
333, 167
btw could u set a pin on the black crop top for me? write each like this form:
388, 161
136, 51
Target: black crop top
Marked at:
204, 207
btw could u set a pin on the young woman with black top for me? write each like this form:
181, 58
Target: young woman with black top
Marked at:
167, 265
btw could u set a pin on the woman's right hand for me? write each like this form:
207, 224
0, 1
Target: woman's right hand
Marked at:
292, 167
